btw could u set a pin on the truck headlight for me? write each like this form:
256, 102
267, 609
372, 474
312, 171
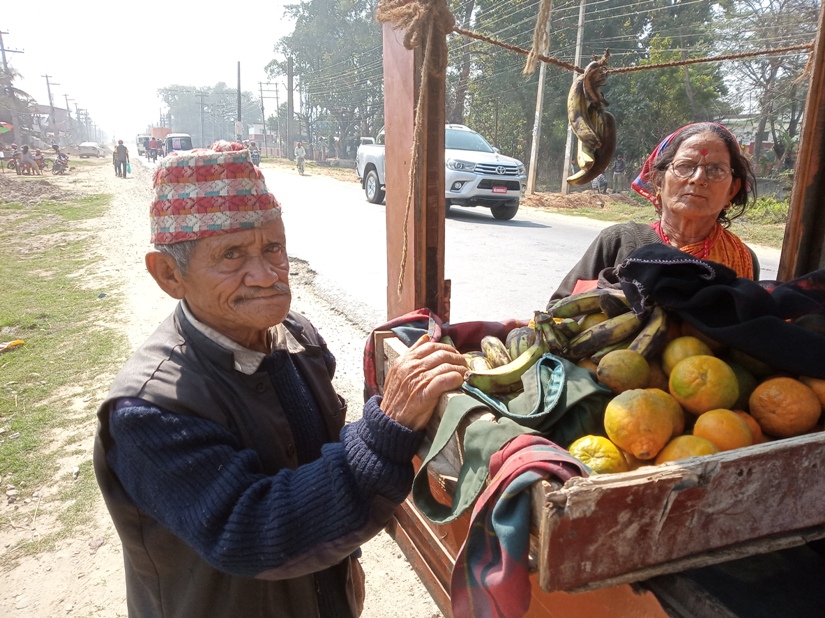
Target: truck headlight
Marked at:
522, 171
460, 166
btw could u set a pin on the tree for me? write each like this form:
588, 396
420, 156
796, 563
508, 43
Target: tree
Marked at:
770, 86
213, 108
337, 59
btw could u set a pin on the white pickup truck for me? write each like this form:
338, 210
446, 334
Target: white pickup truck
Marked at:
476, 174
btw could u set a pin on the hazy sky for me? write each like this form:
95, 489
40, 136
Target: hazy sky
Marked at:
100, 53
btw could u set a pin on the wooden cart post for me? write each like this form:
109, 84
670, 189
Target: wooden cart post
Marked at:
802, 248
415, 229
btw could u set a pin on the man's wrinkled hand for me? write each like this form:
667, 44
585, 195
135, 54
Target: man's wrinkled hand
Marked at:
418, 378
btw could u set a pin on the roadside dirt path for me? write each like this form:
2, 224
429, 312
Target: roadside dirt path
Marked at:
83, 576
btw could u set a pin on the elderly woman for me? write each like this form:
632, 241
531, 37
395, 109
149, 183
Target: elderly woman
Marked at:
698, 181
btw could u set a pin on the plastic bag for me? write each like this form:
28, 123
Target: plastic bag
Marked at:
128, 167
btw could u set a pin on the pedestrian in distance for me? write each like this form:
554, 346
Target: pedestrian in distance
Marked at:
619, 174
222, 451
599, 184
300, 156
121, 155
26, 163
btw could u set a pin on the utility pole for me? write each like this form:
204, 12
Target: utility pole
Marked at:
569, 143
68, 112
534, 149
51, 109
289, 108
238, 125
263, 114
15, 118
203, 143
278, 122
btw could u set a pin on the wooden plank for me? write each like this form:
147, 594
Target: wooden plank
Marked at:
607, 529
802, 248
415, 240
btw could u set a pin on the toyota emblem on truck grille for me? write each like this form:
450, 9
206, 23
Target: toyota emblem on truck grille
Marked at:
501, 170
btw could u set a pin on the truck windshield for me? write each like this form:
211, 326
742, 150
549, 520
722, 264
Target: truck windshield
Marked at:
466, 140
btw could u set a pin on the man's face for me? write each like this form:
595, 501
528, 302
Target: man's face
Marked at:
238, 283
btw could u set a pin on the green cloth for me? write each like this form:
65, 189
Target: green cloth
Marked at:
561, 402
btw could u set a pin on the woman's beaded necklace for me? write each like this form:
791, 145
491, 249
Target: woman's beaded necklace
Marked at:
705, 249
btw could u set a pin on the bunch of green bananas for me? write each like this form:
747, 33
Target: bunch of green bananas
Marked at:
595, 128
621, 328
498, 367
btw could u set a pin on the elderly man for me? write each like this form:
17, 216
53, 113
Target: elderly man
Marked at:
221, 450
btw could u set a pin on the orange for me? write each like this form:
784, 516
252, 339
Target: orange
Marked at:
725, 428
586, 363
682, 447
747, 382
623, 370
702, 383
680, 348
757, 367
634, 463
670, 406
599, 454
785, 407
690, 330
756, 430
591, 319
817, 386
634, 422
658, 377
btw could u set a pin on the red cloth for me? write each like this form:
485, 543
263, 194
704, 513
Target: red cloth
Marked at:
491, 576
465, 335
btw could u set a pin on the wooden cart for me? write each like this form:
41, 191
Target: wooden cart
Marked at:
733, 534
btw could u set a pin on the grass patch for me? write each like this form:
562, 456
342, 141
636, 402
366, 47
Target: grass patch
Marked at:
47, 386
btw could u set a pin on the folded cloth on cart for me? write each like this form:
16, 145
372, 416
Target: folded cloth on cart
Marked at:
755, 317
411, 326
560, 400
491, 576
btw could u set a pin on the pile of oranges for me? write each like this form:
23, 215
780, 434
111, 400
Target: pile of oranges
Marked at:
698, 398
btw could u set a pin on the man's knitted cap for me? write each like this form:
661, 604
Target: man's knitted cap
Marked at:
209, 191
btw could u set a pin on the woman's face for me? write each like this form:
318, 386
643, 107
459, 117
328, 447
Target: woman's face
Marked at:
697, 196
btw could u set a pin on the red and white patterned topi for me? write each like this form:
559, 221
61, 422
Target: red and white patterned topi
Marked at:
209, 191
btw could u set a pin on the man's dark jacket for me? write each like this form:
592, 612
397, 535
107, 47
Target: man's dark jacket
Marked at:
181, 370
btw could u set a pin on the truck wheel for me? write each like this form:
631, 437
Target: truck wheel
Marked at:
372, 187
505, 211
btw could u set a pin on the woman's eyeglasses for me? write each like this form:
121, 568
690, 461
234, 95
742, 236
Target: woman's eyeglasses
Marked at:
715, 172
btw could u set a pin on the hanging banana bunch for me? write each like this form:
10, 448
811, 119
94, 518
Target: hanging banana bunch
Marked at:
593, 126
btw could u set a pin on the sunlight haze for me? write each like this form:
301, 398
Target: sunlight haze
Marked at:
110, 58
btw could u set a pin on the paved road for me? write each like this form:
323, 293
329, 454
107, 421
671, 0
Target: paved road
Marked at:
498, 269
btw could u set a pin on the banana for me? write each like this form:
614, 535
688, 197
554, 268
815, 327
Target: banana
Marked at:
553, 337
602, 156
622, 345
580, 304
507, 378
578, 114
478, 363
568, 327
650, 341
614, 304
593, 79
604, 334
495, 351
518, 340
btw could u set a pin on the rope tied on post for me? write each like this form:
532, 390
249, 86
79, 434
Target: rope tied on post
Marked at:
541, 37
426, 24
